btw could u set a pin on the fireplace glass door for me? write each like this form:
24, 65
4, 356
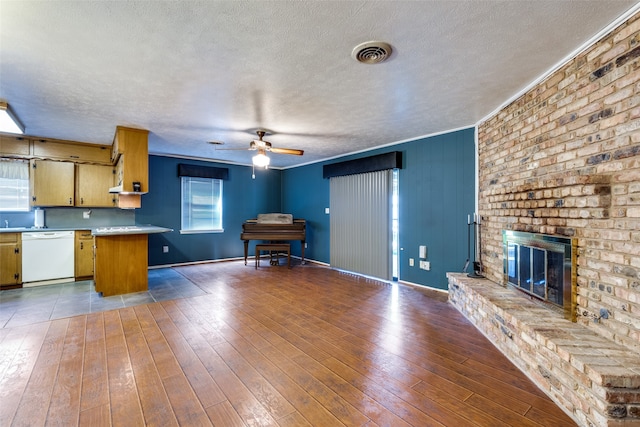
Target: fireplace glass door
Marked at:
536, 271
539, 265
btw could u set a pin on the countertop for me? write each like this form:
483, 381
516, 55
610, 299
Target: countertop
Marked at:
112, 230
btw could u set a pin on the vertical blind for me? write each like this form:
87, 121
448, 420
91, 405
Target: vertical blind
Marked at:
360, 221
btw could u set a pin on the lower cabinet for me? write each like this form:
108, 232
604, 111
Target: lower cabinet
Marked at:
121, 264
10, 259
84, 255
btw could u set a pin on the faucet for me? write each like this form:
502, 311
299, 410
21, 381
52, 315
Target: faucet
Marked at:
6, 223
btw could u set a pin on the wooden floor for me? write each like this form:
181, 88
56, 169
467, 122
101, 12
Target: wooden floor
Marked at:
268, 347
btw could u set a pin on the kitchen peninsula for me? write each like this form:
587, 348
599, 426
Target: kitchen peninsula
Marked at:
121, 258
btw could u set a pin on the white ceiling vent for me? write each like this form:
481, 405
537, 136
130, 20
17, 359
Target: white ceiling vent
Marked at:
371, 52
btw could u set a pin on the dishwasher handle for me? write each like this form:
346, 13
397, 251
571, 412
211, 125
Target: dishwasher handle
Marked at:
42, 235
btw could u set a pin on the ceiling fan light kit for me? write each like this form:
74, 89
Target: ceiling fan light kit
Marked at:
261, 159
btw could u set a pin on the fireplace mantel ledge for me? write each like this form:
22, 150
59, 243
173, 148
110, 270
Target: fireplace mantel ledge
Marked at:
595, 380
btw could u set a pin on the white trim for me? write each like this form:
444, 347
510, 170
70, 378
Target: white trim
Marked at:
477, 166
418, 285
221, 230
205, 159
586, 45
209, 261
390, 144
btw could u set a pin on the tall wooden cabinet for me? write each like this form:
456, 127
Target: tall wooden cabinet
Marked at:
52, 183
10, 259
130, 154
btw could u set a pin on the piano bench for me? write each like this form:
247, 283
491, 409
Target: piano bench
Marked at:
278, 247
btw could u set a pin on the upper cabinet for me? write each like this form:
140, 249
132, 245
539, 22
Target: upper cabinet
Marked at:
71, 151
68, 173
14, 146
92, 186
52, 183
130, 154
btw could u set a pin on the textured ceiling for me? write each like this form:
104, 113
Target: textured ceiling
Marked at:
192, 72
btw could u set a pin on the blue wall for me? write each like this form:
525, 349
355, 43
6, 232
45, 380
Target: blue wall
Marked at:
243, 198
437, 191
305, 195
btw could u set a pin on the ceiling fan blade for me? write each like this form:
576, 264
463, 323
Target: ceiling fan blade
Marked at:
287, 151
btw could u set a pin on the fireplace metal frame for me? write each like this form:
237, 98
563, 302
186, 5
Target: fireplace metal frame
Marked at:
557, 244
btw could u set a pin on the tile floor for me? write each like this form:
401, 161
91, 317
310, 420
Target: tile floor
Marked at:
32, 305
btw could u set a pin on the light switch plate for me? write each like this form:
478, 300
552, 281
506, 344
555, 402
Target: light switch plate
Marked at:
423, 251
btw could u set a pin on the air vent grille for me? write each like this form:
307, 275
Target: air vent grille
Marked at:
372, 52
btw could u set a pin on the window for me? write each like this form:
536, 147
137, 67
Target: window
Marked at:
14, 186
201, 205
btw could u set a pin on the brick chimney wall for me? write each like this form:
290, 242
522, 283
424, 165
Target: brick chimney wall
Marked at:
564, 159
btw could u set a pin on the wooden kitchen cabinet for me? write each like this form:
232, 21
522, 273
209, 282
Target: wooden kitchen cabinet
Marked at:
10, 259
71, 151
130, 154
83, 255
92, 186
52, 183
121, 264
14, 146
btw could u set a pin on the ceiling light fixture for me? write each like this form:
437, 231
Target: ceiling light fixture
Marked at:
373, 52
9, 122
261, 160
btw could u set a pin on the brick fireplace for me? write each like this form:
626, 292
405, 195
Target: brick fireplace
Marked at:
563, 159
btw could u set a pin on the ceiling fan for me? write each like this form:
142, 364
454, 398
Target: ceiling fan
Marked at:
261, 159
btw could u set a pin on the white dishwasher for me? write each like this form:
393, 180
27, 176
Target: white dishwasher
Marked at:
47, 257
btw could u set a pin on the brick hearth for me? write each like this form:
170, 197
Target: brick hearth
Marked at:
595, 380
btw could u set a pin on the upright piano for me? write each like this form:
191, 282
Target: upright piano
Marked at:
264, 229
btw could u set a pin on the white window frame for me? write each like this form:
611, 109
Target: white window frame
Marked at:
14, 186
212, 199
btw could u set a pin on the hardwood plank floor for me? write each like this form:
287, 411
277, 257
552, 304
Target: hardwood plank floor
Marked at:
307, 346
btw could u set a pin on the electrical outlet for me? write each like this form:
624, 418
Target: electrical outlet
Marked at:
410, 262
326, 210
425, 265
165, 249
305, 245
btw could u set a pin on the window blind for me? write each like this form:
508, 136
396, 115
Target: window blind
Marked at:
360, 235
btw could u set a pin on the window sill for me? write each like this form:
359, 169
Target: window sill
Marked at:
201, 231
